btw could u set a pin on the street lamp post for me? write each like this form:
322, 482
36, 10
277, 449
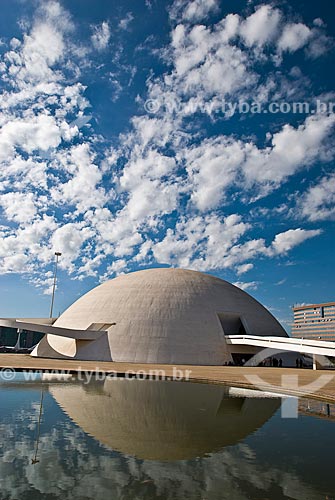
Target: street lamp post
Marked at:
57, 255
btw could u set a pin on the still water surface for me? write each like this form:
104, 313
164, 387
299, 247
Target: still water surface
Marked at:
143, 439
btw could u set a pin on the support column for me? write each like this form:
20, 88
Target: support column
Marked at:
18, 342
316, 362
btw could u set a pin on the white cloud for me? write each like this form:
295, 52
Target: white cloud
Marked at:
115, 234
195, 10
152, 165
68, 240
319, 44
211, 242
206, 66
45, 46
222, 163
200, 242
19, 207
35, 106
212, 167
81, 189
125, 22
294, 37
28, 245
101, 36
178, 247
117, 267
284, 242
291, 149
56, 15
244, 268
149, 177
318, 203
40, 132
246, 285
20, 174
18, 263
261, 27
158, 194
152, 198
211, 66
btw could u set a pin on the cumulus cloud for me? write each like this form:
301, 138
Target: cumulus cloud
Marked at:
39, 133
196, 10
211, 242
244, 268
31, 60
68, 240
291, 148
221, 163
246, 285
125, 21
294, 37
223, 62
81, 189
287, 240
319, 45
38, 107
213, 167
28, 244
261, 27
206, 65
19, 207
318, 203
168, 190
101, 36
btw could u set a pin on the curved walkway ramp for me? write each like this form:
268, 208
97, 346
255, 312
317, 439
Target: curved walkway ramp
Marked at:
319, 349
48, 328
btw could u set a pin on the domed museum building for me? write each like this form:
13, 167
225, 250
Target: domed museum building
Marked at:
169, 316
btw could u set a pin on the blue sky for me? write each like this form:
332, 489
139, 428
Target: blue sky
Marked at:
142, 134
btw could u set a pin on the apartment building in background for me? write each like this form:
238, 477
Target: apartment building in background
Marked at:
314, 321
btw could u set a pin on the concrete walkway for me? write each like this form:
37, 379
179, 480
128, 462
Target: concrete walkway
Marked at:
300, 382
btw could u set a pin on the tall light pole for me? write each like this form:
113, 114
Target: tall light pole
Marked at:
57, 255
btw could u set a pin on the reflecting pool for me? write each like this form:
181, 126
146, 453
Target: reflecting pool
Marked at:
145, 439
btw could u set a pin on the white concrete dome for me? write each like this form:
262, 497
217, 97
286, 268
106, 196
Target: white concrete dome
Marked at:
172, 316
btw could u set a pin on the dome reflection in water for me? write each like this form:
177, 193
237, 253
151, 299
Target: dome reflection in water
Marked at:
162, 420
158, 440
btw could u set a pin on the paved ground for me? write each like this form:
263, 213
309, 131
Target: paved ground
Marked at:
316, 384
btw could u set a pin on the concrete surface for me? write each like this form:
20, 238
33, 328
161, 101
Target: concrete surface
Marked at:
300, 382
